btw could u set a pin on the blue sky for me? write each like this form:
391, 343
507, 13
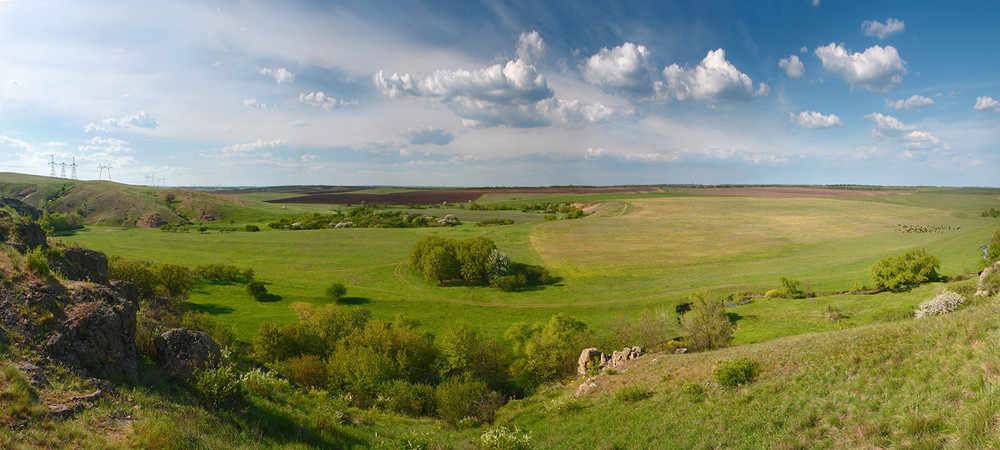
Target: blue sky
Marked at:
504, 93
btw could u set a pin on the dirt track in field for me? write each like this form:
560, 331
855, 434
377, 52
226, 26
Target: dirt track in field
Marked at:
434, 196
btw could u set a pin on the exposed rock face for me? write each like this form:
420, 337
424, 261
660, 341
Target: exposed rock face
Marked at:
180, 351
98, 333
21, 208
19, 234
154, 220
85, 265
983, 289
615, 360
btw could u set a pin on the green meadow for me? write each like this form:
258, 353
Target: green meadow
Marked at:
635, 252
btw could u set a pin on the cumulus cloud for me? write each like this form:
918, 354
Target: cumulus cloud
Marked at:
281, 75
914, 102
530, 47
513, 94
320, 100
878, 69
259, 144
714, 79
141, 120
428, 135
880, 30
623, 68
793, 66
813, 119
16, 143
908, 135
252, 103
987, 104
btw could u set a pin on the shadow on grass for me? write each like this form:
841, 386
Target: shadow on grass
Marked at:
734, 317
354, 301
269, 298
212, 308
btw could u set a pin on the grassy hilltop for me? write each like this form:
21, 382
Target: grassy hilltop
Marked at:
843, 367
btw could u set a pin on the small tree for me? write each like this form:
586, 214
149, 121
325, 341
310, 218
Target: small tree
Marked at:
706, 326
336, 292
175, 279
256, 289
791, 288
912, 267
499, 264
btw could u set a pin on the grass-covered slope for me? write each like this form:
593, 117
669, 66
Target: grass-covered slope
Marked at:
916, 383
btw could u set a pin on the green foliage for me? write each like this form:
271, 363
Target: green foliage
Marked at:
216, 384
736, 372
503, 438
706, 326
175, 279
473, 256
415, 399
992, 212
791, 288
773, 293
37, 262
547, 352
336, 292
912, 267
693, 391
461, 398
463, 350
494, 222
307, 370
499, 264
264, 383
509, 283
251, 228
222, 334
57, 223
257, 290
223, 273
631, 393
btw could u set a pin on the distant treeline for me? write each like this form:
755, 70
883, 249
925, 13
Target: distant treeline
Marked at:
364, 217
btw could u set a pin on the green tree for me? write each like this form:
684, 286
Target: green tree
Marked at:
176, 279
912, 267
791, 288
706, 326
336, 292
256, 289
547, 351
465, 350
474, 256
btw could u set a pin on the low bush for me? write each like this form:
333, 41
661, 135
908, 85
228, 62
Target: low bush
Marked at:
943, 303
38, 263
252, 228
462, 398
912, 267
257, 290
509, 283
414, 399
493, 222
336, 292
773, 293
629, 394
503, 438
215, 385
264, 383
693, 391
736, 372
307, 370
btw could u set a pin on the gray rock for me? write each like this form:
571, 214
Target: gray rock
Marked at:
180, 351
85, 265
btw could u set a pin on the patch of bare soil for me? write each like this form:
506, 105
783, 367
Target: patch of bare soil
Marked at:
434, 196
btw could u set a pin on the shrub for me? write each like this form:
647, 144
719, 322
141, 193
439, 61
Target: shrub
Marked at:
631, 393
693, 391
503, 438
736, 372
264, 383
706, 326
38, 263
215, 385
943, 303
499, 264
414, 399
223, 335
548, 351
256, 289
991, 284
175, 279
965, 288
492, 222
912, 267
252, 228
773, 293
336, 292
509, 283
464, 350
307, 370
791, 288
461, 398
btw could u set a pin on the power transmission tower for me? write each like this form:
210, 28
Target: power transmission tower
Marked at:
74, 168
62, 173
162, 182
104, 167
150, 180
52, 166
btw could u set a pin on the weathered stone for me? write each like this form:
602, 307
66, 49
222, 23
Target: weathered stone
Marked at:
180, 351
85, 265
586, 356
626, 354
98, 334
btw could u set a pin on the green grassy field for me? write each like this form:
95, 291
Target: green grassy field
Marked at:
638, 252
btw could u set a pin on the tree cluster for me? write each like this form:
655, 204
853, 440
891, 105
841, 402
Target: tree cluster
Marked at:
363, 217
474, 261
912, 267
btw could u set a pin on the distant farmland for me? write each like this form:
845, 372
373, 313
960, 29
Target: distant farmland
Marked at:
346, 196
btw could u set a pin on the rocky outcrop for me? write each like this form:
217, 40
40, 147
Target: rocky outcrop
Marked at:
985, 290
603, 361
83, 264
97, 334
180, 351
19, 234
154, 220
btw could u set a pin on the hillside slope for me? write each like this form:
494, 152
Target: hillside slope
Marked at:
926, 383
109, 203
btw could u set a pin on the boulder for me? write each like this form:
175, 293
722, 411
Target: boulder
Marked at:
85, 265
180, 351
626, 354
586, 356
604, 360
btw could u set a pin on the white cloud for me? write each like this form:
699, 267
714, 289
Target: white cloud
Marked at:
252, 103
141, 120
281, 75
876, 28
259, 144
793, 66
320, 100
878, 69
814, 2
886, 125
623, 68
714, 79
987, 104
917, 139
309, 157
11, 142
105, 145
813, 119
530, 47
914, 102
428, 135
